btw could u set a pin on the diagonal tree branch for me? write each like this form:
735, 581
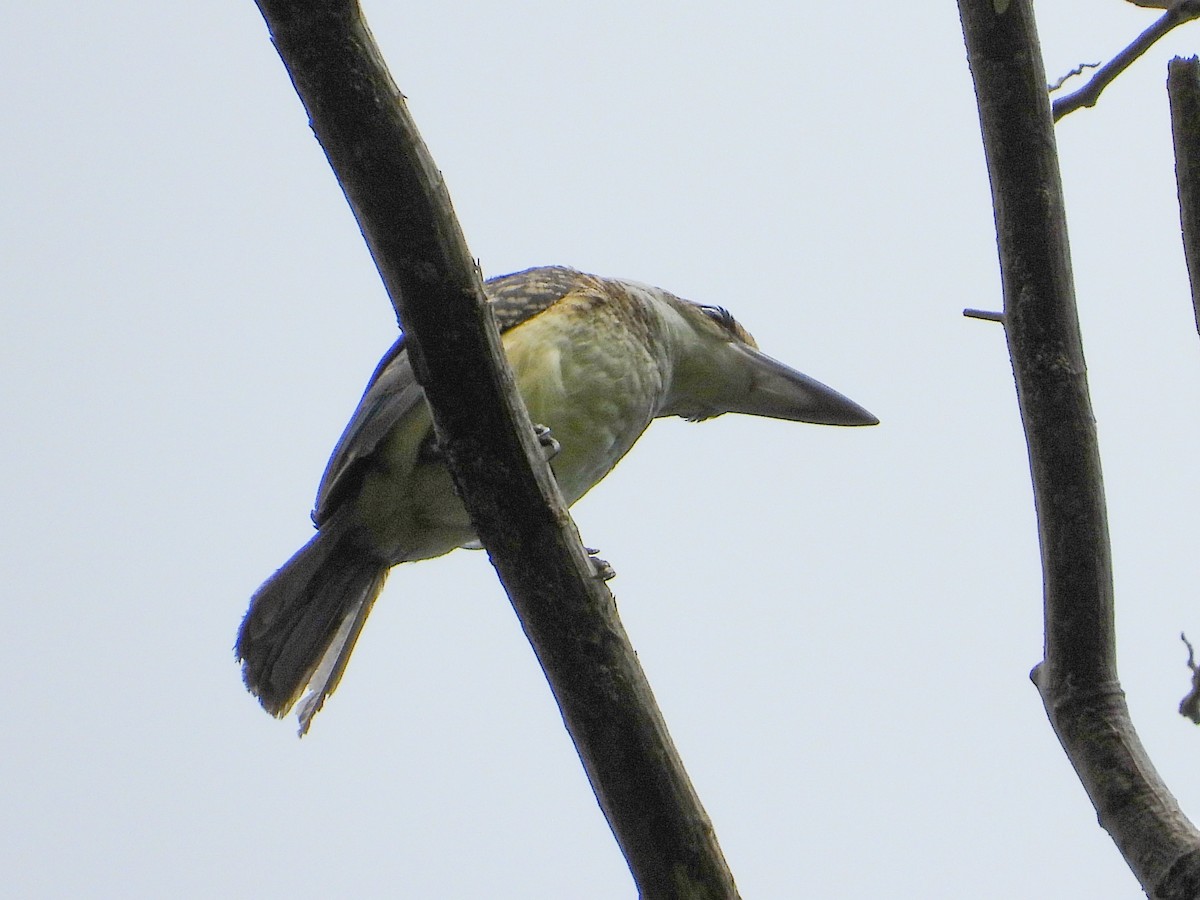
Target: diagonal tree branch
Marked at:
1078, 676
568, 614
1177, 13
1183, 88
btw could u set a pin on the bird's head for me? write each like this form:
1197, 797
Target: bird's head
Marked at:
716, 367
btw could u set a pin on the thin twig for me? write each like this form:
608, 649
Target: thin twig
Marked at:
1181, 11
1189, 706
1078, 70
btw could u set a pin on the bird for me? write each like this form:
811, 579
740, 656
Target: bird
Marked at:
596, 360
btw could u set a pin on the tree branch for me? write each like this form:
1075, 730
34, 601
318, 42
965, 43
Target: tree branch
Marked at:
568, 614
1179, 12
1183, 88
1078, 677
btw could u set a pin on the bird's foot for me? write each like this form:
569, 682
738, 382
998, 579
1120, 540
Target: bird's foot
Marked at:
601, 567
431, 452
550, 446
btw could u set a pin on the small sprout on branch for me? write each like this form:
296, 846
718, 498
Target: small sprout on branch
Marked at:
984, 314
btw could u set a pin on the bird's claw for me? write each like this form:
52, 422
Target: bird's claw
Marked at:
550, 446
431, 452
600, 567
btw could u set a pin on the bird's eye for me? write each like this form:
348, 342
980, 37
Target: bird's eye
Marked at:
721, 316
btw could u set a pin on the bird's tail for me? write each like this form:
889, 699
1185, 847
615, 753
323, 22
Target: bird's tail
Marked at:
303, 622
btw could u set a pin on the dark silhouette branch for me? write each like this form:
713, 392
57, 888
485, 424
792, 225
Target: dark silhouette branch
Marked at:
1179, 12
405, 215
1183, 88
1078, 676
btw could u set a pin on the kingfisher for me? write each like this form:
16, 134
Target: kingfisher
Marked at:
596, 360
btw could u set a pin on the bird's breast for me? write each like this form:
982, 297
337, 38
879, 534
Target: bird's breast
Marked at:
592, 380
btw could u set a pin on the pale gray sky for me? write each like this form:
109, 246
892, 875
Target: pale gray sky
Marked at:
838, 623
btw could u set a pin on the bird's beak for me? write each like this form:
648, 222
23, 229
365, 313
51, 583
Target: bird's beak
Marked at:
780, 392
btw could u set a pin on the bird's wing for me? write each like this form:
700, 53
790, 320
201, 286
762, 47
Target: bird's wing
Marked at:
519, 297
393, 392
